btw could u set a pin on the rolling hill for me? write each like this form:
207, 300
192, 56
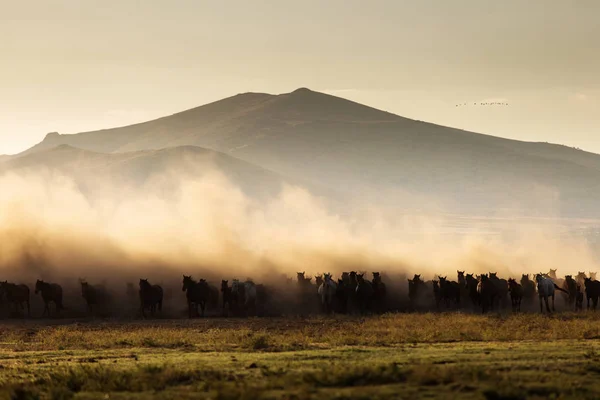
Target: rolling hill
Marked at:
364, 153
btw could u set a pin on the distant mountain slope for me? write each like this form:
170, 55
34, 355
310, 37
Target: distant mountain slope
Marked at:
90, 169
364, 152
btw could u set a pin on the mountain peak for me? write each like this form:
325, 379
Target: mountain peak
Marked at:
302, 90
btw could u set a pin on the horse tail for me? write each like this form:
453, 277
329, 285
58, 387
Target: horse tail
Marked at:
559, 288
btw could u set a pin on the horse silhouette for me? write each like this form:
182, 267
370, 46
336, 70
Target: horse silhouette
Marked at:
51, 293
364, 293
516, 294
450, 292
379, 293
592, 292
94, 295
471, 285
151, 297
16, 295
196, 293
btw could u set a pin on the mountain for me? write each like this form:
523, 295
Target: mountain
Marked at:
90, 170
370, 154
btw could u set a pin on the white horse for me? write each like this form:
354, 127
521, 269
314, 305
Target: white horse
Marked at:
327, 292
546, 288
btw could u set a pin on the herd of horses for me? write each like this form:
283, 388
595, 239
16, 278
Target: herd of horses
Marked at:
352, 293
489, 292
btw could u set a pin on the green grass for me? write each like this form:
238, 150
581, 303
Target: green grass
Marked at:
435, 356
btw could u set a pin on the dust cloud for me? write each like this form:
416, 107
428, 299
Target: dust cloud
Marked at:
202, 224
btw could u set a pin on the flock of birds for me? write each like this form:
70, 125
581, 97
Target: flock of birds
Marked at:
492, 103
352, 293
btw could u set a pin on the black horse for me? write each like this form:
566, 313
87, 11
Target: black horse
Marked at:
197, 294
151, 296
17, 295
364, 294
51, 293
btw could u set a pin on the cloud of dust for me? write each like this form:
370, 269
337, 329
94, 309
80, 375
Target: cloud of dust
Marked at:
208, 227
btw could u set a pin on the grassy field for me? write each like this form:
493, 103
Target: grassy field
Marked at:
401, 355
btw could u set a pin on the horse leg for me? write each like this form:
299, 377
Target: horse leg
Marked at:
541, 309
202, 306
553, 309
547, 304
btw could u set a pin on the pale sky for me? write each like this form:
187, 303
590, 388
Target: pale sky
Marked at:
77, 65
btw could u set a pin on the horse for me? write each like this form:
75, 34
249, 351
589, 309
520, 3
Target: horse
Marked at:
327, 292
18, 295
379, 292
592, 291
364, 293
570, 285
196, 293
501, 288
487, 292
546, 288
351, 299
244, 295
227, 295
516, 294
593, 275
528, 288
450, 291
151, 296
51, 292
93, 295
471, 285
580, 278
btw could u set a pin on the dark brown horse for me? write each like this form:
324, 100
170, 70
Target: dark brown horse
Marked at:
51, 293
516, 294
196, 293
151, 297
17, 295
471, 284
364, 294
487, 293
570, 285
592, 292
450, 291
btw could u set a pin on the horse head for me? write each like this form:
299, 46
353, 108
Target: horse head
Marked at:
39, 284
493, 275
187, 280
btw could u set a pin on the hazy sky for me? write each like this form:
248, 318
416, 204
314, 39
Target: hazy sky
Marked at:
75, 65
